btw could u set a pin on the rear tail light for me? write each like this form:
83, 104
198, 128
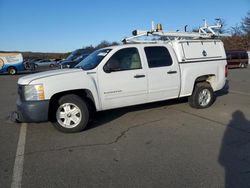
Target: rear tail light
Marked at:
226, 71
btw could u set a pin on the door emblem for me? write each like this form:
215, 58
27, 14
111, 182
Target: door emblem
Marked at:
204, 53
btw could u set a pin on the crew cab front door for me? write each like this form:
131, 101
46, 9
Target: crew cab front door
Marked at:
122, 80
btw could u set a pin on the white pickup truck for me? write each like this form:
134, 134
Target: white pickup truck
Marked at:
124, 75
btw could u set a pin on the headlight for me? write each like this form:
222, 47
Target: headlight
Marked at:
34, 92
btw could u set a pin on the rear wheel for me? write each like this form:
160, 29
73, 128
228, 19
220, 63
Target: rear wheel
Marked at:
202, 97
72, 114
12, 70
242, 65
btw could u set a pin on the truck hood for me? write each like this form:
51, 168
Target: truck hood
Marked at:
27, 79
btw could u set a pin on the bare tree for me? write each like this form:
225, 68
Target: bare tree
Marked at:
245, 24
236, 30
224, 28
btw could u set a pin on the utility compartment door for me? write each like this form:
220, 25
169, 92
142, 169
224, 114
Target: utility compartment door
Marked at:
163, 73
202, 50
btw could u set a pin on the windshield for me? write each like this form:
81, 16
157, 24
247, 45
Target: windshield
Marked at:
93, 59
73, 56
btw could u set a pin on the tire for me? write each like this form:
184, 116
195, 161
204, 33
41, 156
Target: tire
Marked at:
202, 97
12, 70
242, 65
51, 65
71, 114
32, 66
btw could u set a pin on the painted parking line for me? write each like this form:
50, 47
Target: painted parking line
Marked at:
239, 92
18, 165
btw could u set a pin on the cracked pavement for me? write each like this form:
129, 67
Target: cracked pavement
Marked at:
165, 144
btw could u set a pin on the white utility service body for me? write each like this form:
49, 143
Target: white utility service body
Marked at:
124, 75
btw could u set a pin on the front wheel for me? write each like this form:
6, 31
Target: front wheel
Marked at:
71, 114
202, 97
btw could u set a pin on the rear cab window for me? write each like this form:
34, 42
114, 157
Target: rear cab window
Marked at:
158, 56
244, 55
235, 56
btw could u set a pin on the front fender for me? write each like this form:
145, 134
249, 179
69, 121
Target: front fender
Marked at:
68, 82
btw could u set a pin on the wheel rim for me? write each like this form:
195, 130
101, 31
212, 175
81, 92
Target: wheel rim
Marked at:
68, 115
204, 97
12, 71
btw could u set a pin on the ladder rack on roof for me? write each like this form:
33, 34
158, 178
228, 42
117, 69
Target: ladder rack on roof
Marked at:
205, 32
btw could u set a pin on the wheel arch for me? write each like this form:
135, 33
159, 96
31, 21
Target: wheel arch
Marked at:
210, 79
82, 93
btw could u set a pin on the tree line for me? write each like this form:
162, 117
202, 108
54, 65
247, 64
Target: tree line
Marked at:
240, 35
45, 55
83, 50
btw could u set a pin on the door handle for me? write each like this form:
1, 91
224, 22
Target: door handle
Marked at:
172, 72
139, 76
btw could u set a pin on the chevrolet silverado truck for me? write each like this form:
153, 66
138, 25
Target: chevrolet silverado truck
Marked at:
124, 75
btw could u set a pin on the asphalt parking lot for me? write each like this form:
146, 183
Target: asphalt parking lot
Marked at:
165, 144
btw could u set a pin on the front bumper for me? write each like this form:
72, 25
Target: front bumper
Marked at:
32, 111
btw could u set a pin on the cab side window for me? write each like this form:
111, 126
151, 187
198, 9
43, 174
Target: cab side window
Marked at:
234, 56
243, 55
158, 56
124, 59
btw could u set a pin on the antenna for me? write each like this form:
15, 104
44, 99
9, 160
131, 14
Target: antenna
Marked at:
185, 28
152, 26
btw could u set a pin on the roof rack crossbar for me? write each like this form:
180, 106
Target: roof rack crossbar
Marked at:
205, 32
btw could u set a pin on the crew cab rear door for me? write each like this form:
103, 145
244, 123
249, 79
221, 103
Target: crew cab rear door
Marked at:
122, 79
163, 73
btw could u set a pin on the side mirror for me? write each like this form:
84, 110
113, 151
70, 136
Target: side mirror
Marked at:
107, 69
111, 66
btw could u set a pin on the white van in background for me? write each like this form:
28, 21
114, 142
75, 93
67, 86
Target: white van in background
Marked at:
11, 63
